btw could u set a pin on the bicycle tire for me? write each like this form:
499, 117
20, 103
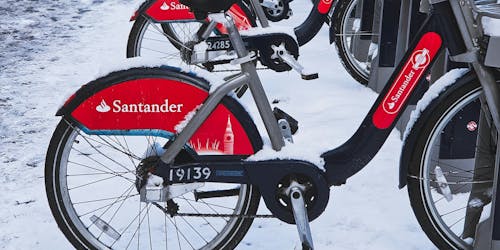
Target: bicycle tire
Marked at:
66, 137
136, 35
442, 224
340, 18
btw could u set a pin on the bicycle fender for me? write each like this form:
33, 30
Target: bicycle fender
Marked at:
138, 101
410, 139
164, 11
313, 23
141, 9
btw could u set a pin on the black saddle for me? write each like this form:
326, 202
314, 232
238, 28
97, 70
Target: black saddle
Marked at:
201, 8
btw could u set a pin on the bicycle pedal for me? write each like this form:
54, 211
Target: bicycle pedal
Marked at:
286, 57
310, 76
280, 114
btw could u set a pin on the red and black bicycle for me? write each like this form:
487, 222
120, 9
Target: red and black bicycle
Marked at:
152, 158
163, 28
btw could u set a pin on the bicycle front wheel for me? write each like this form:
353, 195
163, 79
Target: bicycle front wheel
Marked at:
451, 165
349, 39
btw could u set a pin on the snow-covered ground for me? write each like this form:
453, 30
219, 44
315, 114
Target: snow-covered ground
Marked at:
48, 49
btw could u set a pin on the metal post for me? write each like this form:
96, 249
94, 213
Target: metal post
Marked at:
264, 23
361, 43
487, 236
386, 59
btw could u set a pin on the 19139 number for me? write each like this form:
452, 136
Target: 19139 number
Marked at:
189, 174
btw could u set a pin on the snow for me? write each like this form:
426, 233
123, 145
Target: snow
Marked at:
432, 93
294, 150
491, 26
273, 28
111, 65
476, 202
179, 127
53, 49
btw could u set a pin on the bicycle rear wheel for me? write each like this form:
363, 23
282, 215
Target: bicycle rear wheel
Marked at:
161, 40
451, 167
91, 184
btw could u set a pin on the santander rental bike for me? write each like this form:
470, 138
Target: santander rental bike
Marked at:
166, 29
154, 157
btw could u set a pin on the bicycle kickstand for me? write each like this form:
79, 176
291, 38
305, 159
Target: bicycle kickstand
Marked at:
296, 194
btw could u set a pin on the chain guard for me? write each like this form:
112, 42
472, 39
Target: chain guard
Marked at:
263, 44
278, 175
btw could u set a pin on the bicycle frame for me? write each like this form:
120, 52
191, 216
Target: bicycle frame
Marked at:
340, 163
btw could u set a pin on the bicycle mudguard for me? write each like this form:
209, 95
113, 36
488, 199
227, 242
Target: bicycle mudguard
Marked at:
172, 10
314, 21
409, 141
160, 101
164, 10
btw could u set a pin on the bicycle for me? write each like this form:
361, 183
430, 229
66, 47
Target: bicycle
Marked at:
180, 150
152, 26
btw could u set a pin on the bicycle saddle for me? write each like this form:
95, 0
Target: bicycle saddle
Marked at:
201, 8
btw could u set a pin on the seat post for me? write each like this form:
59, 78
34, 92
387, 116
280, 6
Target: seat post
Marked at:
254, 84
235, 37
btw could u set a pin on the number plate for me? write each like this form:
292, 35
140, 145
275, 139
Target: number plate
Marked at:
189, 174
218, 43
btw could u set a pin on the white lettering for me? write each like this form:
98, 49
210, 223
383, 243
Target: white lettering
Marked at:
403, 86
116, 106
166, 107
178, 6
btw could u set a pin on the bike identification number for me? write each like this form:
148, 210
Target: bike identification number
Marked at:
189, 174
219, 45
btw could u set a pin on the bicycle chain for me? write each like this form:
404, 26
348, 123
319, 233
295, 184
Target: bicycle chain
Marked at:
235, 70
225, 215
213, 215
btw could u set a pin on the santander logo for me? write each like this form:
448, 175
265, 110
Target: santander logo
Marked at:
472, 126
173, 5
406, 80
324, 6
120, 107
420, 59
164, 6
103, 107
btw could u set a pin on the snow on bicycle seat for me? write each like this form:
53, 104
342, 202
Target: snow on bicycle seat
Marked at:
201, 8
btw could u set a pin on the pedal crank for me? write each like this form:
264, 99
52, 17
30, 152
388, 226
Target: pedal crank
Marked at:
281, 53
296, 194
